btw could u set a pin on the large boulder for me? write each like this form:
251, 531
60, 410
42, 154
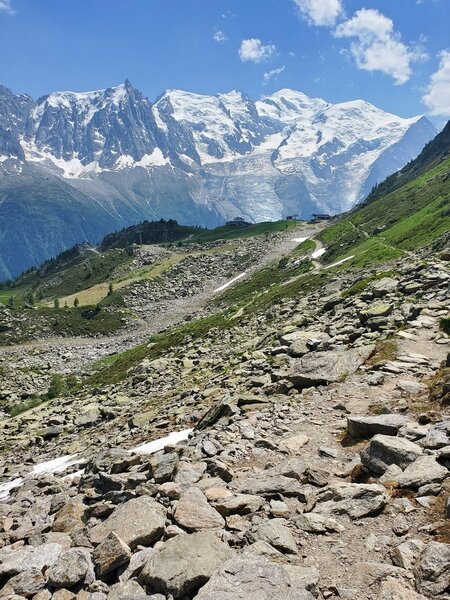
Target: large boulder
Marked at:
366, 427
138, 521
433, 569
73, 567
385, 285
194, 513
421, 472
184, 563
276, 534
240, 504
252, 578
111, 553
352, 499
25, 584
18, 560
126, 589
267, 485
392, 589
322, 368
386, 450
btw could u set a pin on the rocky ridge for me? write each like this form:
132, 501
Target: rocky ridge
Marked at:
315, 462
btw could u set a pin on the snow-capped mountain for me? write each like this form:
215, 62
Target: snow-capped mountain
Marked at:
74, 166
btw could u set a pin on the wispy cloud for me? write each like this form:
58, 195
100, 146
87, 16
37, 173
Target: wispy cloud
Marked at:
219, 36
378, 47
320, 12
437, 97
5, 6
253, 50
273, 74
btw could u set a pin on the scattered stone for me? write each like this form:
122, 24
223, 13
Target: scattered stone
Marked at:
273, 532
433, 569
110, 554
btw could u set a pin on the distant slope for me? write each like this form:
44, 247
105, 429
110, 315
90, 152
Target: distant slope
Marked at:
83, 266
406, 212
434, 152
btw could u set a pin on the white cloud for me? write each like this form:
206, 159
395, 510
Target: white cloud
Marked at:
5, 5
272, 74
320, 12
219, 36
437, 97
379, 46
254, 50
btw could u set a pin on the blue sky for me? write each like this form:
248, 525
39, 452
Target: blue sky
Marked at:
393, 53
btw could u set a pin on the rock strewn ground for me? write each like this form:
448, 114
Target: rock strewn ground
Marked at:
320, 470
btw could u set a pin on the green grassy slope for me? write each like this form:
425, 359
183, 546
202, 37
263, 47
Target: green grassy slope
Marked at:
406, 219
229, 232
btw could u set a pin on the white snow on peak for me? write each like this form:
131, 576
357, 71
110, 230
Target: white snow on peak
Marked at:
155, 159
289, 106
208, 121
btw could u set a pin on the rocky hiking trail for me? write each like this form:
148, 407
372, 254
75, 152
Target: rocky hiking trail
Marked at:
302, 454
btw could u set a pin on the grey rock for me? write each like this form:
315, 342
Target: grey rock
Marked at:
405, 554
385, 285
110, 554
26, 584
240, 504
74, 566
126, 589
317, 523
269, 485
425, 470
18, 560
433, 569
392, 589
251, 578
139, 521
322, 368
365, 427
386, 450
163, 466
276, 534
352, 499
194, 513
185, 563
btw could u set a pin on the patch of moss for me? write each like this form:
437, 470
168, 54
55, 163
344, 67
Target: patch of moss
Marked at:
385, 350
